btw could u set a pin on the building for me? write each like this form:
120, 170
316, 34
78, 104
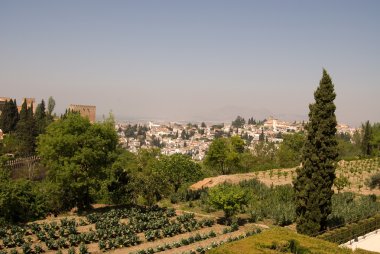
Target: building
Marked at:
85, 111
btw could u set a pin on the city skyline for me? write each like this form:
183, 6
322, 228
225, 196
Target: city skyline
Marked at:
196, 61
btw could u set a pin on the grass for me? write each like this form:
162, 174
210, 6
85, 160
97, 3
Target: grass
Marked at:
263, 243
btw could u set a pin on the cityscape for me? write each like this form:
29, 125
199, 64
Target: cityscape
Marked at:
189, 127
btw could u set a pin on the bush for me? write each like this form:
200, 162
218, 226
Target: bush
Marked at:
351, 231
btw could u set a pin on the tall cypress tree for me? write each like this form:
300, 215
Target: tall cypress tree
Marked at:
313, 185
366, 145
25, 130
4, 117
9, 117
40, 118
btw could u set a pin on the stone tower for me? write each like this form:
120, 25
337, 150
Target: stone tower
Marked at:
85, 111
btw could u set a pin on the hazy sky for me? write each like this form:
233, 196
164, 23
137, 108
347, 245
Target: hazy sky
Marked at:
193, 60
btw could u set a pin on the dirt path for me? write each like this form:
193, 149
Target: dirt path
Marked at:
266, 177
280, 177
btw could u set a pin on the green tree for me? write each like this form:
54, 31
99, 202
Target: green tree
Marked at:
340, 183
40, 118
9, 117
289, 152
229, 198
77, 154
180, 169
366, 145
26, 131
50, 107
375, 141
238, 122
151, 184
224, 154
120, 187
313, 185
262, 135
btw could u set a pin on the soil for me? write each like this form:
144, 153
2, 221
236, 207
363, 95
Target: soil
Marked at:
264, 177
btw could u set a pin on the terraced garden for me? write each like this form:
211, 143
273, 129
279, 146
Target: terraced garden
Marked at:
136, 230
353, 173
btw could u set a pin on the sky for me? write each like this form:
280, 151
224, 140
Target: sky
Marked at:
198, 60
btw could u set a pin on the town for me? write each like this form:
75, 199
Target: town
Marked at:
194, 139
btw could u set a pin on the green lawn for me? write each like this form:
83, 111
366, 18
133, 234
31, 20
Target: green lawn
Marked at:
263, 243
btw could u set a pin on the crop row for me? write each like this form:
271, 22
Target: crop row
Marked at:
193, 239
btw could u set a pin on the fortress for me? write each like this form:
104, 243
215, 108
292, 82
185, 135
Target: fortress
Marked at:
85, 111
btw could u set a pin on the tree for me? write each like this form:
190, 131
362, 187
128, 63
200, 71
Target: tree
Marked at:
9, 117
151, 184
375, 141
40, 118
229, 198
25, 130
262, 135
77, 154
340, 183
51, 106
224, 154
238, 122
180, 169
366, 145
289, 152
315, 178
120, 179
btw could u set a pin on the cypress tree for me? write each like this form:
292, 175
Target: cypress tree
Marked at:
25, 130
9, 117
313, 185
40, 118
4, 117
366, 145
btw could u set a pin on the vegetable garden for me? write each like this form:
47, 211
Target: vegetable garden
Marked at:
135, 230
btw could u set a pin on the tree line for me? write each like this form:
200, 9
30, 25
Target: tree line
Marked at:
85, 165
22, 128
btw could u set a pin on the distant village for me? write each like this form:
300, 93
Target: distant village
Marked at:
194, 139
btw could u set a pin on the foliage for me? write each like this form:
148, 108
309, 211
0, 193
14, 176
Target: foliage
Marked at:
238, 122
352, 231
120, 178
149, 181
374, 182
289, 152
25, 130
24, 200
261, 243
340, 183
347, 208
347, 149
179, 170
313, 185
229, 198
9, 116
77, 154
366, 145
40, 118
224, 154
275, 203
